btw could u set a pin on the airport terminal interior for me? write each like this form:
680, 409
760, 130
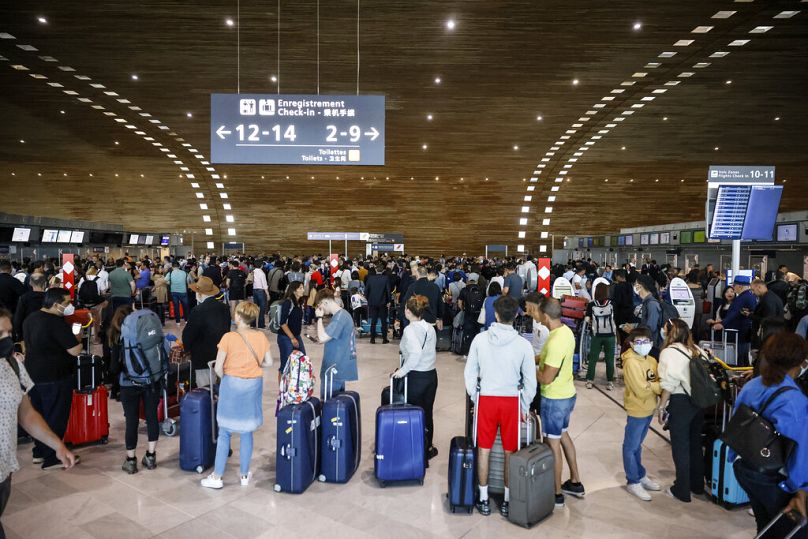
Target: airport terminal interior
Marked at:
193, 161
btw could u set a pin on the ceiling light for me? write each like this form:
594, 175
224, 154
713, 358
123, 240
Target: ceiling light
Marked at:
229, 22
273, 78
437, 178
262, 177
665, 118
189, 114
623, 148
729, 81
61, 112
22, 141
716, 148
701, 29
142, 176
719, 54
135, 77
575, 82
424, 146
117, 143
539, 118
776, 118
785, 14
682, 181
637, 26
657, 180
486, 179
450, 24
429, 117
683, 43
515, 147
410, 178
738, 42
40, 174
760, 29
437, 80
42, 20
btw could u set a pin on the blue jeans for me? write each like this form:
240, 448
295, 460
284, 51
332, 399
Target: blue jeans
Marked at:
260, 299
286, 348
223, 448
555, 416
636, 430
180, 298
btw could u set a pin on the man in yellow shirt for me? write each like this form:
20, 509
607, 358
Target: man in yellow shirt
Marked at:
640, 399
555, 375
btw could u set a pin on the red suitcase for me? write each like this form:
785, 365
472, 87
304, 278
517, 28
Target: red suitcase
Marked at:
89, 414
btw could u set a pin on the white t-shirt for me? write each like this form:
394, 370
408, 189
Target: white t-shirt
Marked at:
569, 275
582, 292
540, 335
11, 395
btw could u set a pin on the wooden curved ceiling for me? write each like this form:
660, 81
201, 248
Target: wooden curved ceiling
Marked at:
505, 64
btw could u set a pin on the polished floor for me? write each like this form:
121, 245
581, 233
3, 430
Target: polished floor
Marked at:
97, 500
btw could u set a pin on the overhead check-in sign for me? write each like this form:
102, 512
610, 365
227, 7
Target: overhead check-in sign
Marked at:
334, 236
275, 129
729, 174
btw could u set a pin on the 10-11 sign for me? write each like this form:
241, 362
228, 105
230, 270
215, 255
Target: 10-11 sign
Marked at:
297, 129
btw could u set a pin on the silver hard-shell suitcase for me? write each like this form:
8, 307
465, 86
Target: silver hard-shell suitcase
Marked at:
532, 483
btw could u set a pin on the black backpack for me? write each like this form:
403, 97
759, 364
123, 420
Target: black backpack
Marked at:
88, 293
704, 388
669, 312
474, 299
237, 279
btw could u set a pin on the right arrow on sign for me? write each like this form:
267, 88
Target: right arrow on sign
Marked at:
373, 133
222, 132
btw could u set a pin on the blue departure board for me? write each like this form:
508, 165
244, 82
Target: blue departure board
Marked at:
745, 212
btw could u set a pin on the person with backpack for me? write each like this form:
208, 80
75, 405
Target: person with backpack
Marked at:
242, 355
796, 298
290, 324
488, 315
275, 282
177, 284
679, 408
470, 301
236, 285
650, 313
339, 340
89, 296
772, 493
16, 407
207, 323
139, 360
600, 314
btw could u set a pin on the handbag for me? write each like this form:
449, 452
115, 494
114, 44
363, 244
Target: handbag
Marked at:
252, 351
755, 440
481, 318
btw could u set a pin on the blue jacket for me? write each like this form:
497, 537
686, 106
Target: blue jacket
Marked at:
787, 413
735, 320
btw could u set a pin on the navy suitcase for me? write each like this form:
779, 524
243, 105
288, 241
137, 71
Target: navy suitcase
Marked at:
297, 457
400, 454
341, 440
462, 474
198, 433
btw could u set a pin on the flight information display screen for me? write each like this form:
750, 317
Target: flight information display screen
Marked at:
745, 212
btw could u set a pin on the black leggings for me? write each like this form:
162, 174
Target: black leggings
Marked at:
131, 398
685, 423
421, 389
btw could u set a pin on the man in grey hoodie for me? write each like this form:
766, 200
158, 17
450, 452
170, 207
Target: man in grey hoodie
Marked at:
500, 364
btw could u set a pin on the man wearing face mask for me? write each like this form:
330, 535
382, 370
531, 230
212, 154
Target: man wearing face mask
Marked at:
15, 407
51, 347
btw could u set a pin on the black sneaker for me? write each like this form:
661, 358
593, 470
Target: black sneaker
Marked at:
573, 489
559, 501
386, 341
149, 461
53, 464
484, 507
130, 466
505, 509
431, 453
373, 340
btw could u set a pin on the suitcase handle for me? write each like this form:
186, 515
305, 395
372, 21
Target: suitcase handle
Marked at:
391, 388
800, 523
212, 404
329, 383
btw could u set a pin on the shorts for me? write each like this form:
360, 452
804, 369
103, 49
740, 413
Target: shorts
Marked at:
502, 412
555, 416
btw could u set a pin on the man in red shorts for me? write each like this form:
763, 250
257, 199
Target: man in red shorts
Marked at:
500, 361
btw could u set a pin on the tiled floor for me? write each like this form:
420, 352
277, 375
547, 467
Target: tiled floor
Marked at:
96, 499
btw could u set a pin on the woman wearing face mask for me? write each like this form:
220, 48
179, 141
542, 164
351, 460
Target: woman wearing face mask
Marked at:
684, 419
640, 398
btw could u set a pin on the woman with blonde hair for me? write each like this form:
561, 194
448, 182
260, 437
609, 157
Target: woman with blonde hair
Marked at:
242, 355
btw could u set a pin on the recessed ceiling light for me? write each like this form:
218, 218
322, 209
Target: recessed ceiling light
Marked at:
637, 25
91, 174
575, 82
716, 148
142, 176
437, 178
117, 143
632, 180
785, 14
450, 24
437, 80
273, 78
116, 174
189, 114
42, 20
539, 118
424, 146
312, 177
262, 177
135, 77
776, 118
287, 177
682, 181
623, 148
665, 118
61, 112
657, 180
22, 141
515, 147
64, 174
229, 22
729, 81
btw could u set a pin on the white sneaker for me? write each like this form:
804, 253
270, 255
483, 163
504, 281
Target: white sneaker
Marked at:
589, 385
212, 482
750, 512
609, 386
637, 490
647, 484
245, 479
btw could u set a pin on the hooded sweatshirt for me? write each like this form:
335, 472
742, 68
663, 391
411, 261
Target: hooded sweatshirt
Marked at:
642, 384
501, 358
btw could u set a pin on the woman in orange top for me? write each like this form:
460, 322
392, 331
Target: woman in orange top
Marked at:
242, 355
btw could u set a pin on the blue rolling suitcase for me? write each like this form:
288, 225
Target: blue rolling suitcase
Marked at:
724, 486
297, 457
341, 439
462, 474
400, 454
198, 433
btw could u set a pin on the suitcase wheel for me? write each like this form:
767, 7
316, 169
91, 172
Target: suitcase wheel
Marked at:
104, 440
321, 478
170, 427
470, 510
421, 482
277, 488
382, 483
453, 510
200, 469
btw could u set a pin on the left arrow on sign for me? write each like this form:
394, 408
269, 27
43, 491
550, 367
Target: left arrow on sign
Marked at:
373, 133
222, 132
